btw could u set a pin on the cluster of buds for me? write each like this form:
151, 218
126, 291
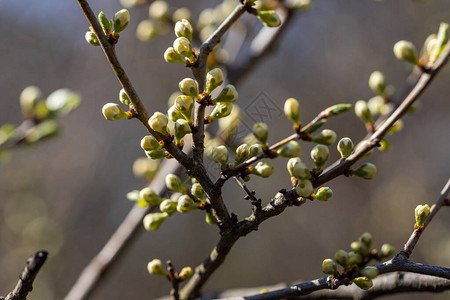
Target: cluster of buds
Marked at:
155, 267
145, 197
111, 28
181, 51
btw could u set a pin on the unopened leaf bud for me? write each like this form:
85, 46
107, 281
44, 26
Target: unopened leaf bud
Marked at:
159, 10
149, 196
269, 18
156, 154
304, 188
263, 169
341, 257
146, 30
345, 147
354, 258
323, 194
181, 129
377, 82
184, 105
338, 109
405, 50
241, 154
185, 204
149, 143
325, 137
291, 164
210, 219
329, 266
228, 94
197, 191
362, 111
290, 149
319, 155
155, 267
214, 78
184, 29
366, 239
186, 273
314, 126
173, 183
183, 47
261, 132
153, 221
173, 57
121, 20
112, 111
123, 96
221, 110
168, 206
387, 250
158, 122
292, 110
254, 150
105, 23
188, 86
300, 171
369, 272
29, 97
220, 155
360, 248
366, 171
91, 38
421, 213
363, 283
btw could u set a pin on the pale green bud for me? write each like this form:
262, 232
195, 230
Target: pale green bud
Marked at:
123, 96
214, 78
341, 257
158, 122
210, 219
369, 272
441, 41
363, 282
338, 109
292, 110
304, 188
133, 195
319, 155
241, 154
91, 38
121, 20
29, 97
182, 46
345, 147
197, 191
62, 101
387, 250
366, 171
221, 110
405, 50
291, 165
154, 220
354, 258
188, 86
263, 169
362, 111
184, 104
149, 196
173, 183
325, 137
181, 129
254, 150
421, 213
360, 248
366, 239
173, 57
42, 130
315, 126
220, 155
146, 30
159, 10
290, 149
168, 206
376, 105
228, 94
329, 267
105, 23
300, 171
155, 267
186, 273
112, 111
261, 132
180, 14
377, 82
269, 18
156, 154
184, 29
430, 44
230, 123
174, 113
323, 194
145, 168
149, 143
185, 204
398, 126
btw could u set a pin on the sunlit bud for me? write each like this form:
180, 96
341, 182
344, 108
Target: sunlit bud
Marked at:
228, 94
150, 196
314, 126
29, 97
254, 150
406, 51
377, 82
105, 23
183, 29
441, 41
338, 109
319, 155
174, 113
197, 191
241, 154
146, 30
175, 196
221, 110
180, 14
345, 147
186, 273
112, 111
269, 18
42, 130
387, 250
261, 132
263, 169
155, 267
354, 258
173, 57
181, 129
184, 105
329, 267
145, 168
376, 105
173, 183
290, 149
214, 78
369, 272
154, 220
156, 154
61, 102
123, 97
91, 38
362, 111
158, 122
304, 188
292, 111
300, 171
230, 123
168, 206
220, 155
188, 86
210, 219
363, 282
366, 171
159, 10
398, 126
133, 195
341, 257
421, 213
185, 204
360, 248
323, 194
291, 164
149, 143
182, 46
121, 20
325, 137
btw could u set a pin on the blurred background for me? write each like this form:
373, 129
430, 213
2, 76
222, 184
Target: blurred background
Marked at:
67, 194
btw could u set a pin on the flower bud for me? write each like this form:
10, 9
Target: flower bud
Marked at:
366, 171
91, 38
269, 18
441, 41
181, 129
292, 111
366, 239
387, 250
304, 188
377, 82
369, 272
112, 111
186, 273
149, 196
155, 267
158, 122
105, 23
188, 86
290, 149
362, 111
241, 154
210, 219
145, 169
291, 165
183, 47
314, 126
173, 183
123, 97
261, 132
185, 204
149, 143
421, 213
61, 102
220, 155
154, 220
197, 191
254, 150
300, 171
345, 147
360, 248
173, 57
221, 110
341, 257
325, 137
329, 267
168, 206
338, 109
406, 51
228, 94
363, 282
319, 155
156, 154
214, 78
159, 10
121, 20
354, 258
29, 97
323, 194
146, 30
376, 105
263, 169
184, 29
174, 114
184, 105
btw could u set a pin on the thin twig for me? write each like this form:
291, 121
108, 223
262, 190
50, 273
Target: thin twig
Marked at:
175, 280
250, 194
